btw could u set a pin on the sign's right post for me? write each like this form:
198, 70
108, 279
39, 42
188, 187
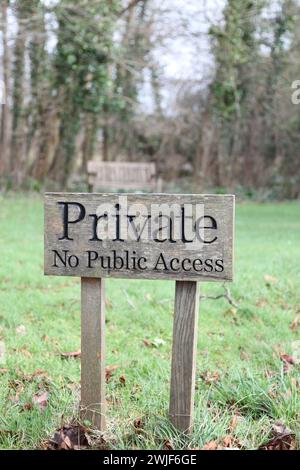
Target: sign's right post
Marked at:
184, 351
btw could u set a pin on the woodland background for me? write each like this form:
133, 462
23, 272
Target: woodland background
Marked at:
84, 80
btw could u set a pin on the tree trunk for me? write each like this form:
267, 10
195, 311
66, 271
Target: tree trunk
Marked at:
48, 141
18, 144
4, 105
88, 145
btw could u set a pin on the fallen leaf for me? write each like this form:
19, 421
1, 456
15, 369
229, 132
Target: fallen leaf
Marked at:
27, 406
272, 392
109, 370
16, 389
244, 355
67, 444
227, 441
41, 400
270, 279
289, 362
295, 323
154, 343
260, 303
230, 443
168, 445
233, 423
289, 359
122, 380
138, 423
24, 351
73, 354
30, 377
212, 445
210, 377
281, 438
70, 438
270, 373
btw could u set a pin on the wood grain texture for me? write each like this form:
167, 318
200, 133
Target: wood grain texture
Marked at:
221, 207
93, 405
184, 355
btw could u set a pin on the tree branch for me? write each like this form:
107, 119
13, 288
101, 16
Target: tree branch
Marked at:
227, 295
131, 4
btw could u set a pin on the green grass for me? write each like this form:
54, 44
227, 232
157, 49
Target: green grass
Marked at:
243, 347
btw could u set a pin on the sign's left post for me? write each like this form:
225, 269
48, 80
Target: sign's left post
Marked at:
93, 404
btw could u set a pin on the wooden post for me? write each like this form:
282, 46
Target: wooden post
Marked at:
184, 355
93, 406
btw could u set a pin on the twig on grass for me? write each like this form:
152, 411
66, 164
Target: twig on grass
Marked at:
226, 295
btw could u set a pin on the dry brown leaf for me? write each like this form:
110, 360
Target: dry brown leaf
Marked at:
66, 443
138, 423
270, 373
244, 355
270, 279
260, 303
168, 445
72, 354
289, 359
233, 422
272, 393
210, 377
289, 362
109, 370
36, 373
23, 351
282, 438
227, 441
295, 323
41, 400
212, 445
122, 379
70, 438
154, 343
27, 406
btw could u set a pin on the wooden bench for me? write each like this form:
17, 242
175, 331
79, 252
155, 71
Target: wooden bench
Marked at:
123, 175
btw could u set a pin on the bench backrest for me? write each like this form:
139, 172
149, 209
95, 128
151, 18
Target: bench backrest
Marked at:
122, 175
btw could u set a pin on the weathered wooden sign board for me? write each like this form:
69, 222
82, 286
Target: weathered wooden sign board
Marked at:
186, 238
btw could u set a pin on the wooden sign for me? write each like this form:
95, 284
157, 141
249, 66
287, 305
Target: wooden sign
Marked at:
186, 238
175, 237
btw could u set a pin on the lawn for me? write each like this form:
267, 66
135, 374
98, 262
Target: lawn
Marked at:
244, 384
